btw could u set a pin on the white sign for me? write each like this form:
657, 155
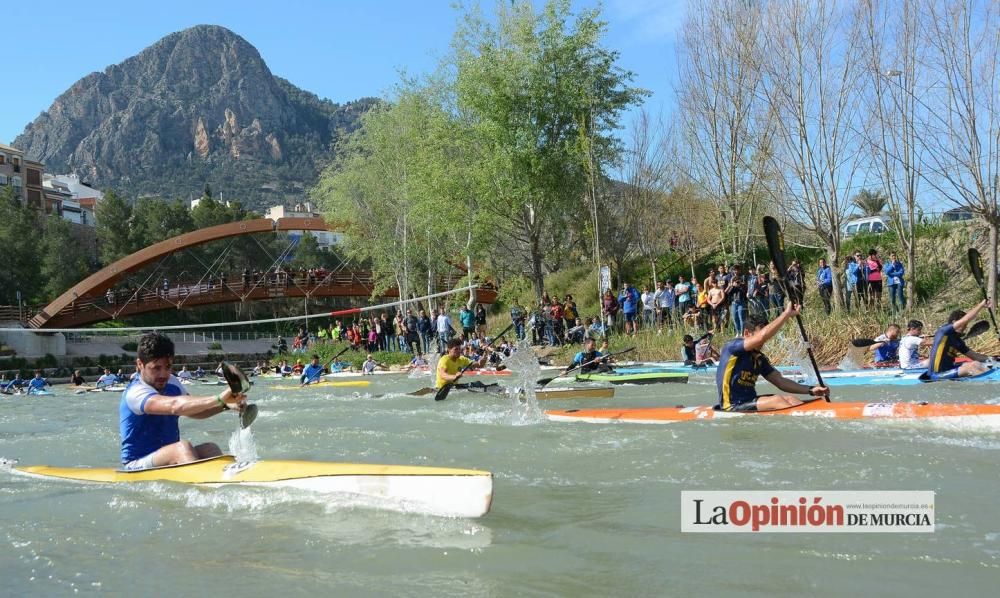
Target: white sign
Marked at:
807, 511
605, 278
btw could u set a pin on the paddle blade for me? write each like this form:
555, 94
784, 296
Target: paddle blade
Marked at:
544, 381
237, 380
422, 392
976, 265
775, 244
978, 328
247, 415
863, 342
442, 394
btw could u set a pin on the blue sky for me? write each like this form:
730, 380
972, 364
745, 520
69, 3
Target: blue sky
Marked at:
337, 50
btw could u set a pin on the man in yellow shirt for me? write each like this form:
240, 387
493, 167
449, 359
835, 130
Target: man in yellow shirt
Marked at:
452, 362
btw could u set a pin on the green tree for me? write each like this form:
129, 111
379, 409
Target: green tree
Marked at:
18, 234
545, 98
871, 203
112, 215
63, 261
154, 220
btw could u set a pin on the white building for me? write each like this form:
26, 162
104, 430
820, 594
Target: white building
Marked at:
324, 239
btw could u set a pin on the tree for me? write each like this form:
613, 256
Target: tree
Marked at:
727, 121
871, 203
544, 98
894, 40
18, 237
813, 87
112, 215
154, 220
63, 261
961, 115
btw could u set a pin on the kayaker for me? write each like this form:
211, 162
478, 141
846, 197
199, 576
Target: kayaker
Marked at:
369, 366
15, 384
742, 363
184, 374
948, 345
107, 379
77, 379
312, 372
418, 362
151, 405
705, 355
688, 350
37, 383
909, 346
452, 362
199, 373
886, 347
591, 356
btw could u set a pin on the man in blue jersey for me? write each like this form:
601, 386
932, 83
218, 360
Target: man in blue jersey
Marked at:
311, 373
741, 363
589, 356
886, 347
948, 345
107, 379
37, 384
151, 405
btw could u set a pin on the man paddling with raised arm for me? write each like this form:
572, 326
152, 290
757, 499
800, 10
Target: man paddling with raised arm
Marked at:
948, 345
312, 373
742, 363
452, 362
589, 358
150, 407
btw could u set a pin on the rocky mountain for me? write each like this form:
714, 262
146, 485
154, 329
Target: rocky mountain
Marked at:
199, 106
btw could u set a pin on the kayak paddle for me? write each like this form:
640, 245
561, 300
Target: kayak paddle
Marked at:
442, 393
976, 265
239, 384
544, 381
776, 247
329, 366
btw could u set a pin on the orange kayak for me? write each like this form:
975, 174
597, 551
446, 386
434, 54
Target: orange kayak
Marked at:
897, 411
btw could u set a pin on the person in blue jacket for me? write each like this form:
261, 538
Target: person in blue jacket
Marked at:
894, 272
629, 300
312, 373
37, 383
824, 282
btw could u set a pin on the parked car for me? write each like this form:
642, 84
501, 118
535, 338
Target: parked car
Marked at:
868, 224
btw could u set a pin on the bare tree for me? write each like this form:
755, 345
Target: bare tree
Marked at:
645, 172
893, 41
813, 84
962, 115
725, 115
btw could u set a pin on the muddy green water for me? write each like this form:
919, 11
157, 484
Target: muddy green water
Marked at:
579, 509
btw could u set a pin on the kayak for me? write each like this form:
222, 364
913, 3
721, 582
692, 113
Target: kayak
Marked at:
39, 393
949, 412
618, 377
434, 490
109, 388
324, 384
894, 377
343, 375
606, 392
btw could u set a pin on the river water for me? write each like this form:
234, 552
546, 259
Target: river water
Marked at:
579, 509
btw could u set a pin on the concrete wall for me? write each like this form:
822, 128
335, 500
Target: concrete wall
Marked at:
34, 344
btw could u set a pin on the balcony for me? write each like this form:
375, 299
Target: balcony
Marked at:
17, 168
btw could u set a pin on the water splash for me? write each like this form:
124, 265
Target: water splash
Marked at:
525, 370
243, 445
795, 348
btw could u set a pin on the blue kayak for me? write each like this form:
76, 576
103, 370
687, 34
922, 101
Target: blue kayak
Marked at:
895, 377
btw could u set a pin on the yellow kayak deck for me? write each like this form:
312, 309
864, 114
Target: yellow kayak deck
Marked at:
324, 384
213, 471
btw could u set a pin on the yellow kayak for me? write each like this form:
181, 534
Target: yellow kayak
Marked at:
441, 491
324, 384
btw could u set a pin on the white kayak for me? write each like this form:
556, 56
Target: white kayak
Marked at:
438, 491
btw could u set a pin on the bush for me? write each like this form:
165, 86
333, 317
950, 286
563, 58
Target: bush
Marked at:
49, 361
215, 347
130, 346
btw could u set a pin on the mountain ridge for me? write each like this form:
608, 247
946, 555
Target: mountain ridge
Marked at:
198, 106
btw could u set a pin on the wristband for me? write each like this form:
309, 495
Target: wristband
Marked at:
222, 403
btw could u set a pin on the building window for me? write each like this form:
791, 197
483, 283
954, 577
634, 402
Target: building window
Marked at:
83, 217
34, 177
34, 198
3, 179
3, 158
